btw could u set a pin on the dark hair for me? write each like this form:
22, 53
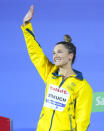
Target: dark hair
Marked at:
69, 45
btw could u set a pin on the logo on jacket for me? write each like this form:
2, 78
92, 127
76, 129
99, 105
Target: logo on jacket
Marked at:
56, 98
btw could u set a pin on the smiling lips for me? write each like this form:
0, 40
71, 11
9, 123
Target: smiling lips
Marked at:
57, 59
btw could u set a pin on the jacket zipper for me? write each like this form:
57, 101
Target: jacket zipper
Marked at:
52, 120
54, 110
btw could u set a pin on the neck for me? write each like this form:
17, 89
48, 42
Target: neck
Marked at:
66, 70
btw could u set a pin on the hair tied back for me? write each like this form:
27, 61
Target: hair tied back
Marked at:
67, 38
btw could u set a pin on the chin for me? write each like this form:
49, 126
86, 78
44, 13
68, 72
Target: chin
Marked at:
58, 64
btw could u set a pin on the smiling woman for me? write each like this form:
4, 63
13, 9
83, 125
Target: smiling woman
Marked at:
64, 55
68, 96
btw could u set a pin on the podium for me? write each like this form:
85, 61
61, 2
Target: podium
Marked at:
5, 124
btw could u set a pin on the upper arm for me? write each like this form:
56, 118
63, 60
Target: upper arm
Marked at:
83, 107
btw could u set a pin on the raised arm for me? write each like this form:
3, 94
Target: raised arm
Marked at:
41, 62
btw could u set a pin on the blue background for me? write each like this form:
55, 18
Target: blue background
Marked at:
21, 88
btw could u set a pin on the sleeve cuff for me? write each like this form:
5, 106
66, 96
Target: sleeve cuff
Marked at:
29, 26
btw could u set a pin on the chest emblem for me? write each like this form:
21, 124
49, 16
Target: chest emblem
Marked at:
56, 98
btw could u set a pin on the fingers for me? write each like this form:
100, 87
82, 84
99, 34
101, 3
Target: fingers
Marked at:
29, 15
32, 9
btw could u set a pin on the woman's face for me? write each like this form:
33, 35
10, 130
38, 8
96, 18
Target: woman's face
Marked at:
61, 56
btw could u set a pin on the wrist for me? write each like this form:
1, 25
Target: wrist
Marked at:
26, 23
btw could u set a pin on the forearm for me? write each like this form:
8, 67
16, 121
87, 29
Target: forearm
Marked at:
82, 126
36, 54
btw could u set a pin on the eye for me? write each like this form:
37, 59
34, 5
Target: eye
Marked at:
60, 51
53, 53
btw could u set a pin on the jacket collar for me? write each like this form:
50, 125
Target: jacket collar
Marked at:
78, 74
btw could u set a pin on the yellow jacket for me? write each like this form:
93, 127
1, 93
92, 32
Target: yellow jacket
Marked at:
67, 103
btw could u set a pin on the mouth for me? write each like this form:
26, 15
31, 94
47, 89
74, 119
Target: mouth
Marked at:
57, 59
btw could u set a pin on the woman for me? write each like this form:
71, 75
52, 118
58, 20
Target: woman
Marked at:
68, 96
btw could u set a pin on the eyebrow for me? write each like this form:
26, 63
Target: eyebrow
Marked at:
59, 50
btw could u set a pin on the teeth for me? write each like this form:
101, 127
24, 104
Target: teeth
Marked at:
57, 59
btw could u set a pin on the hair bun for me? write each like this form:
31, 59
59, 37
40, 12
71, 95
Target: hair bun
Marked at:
67, 38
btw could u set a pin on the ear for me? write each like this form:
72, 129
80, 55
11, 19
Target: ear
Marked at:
71, 55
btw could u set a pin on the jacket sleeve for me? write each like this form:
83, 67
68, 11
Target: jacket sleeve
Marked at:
41, 62
83, 107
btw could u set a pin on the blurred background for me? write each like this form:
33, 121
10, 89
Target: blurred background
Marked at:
21, 88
